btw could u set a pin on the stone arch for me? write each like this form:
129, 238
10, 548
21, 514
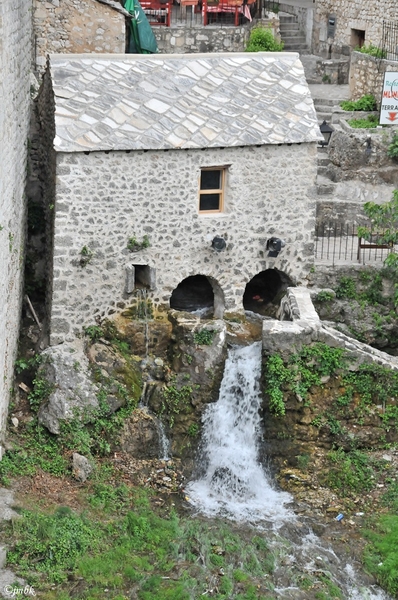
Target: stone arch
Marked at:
264, 291
199, 293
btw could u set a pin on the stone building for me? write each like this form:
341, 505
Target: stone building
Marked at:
78, 27
342, 25
15, 61
172, 173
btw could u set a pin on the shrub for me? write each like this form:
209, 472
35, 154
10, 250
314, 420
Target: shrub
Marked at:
262, 40
367, 102
368, 122
392, 151
372, 50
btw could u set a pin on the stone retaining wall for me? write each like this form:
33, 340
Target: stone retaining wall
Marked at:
15, 60
367, 75
103, 199
212, 38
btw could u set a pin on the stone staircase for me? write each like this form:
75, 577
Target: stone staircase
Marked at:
292, 35
324, 110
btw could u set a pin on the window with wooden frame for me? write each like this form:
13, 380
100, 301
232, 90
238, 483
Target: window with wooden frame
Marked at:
211, 189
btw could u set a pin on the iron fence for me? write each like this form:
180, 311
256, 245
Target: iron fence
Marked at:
338, 243
389, 40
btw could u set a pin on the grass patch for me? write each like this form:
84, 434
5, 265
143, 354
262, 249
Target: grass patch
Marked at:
381, 555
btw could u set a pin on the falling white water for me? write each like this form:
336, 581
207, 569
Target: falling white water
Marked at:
235, 484
164, 442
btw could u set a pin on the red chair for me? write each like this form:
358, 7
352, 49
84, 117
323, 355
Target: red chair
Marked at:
158, 12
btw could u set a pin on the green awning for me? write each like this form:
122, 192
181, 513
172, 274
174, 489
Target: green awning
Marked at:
142, 40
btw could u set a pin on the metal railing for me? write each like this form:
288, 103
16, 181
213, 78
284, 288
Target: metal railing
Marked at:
338, 243
389, 40
201, 13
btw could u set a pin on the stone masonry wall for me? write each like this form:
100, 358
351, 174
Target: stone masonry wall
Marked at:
181, 40
15, 61
212, 38
367, 75
103, 199
350, 14
77, 26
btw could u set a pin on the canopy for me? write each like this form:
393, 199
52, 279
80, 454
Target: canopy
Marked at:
142, 40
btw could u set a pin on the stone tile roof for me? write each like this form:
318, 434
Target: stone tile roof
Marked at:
144, 102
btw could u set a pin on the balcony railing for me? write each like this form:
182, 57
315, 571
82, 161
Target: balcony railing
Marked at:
201, 13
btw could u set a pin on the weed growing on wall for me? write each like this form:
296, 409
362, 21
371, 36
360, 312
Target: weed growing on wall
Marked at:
204, 337
302, 371
134, 245
392, 151
176, 397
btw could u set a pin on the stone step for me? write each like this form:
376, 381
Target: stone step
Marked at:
322, 116
284, 19
322, 171
296, 48
289, 27
323, 160
324, 102
324, 186
327, 108
297, 39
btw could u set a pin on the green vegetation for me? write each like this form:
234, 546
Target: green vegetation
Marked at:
262, 40
302, 371
350, 472
381, 555
346, 288
176, 397
384, 219
325, 296
134, 245
392, 151
204, 337
367, 102
372, 50
86, 256
164, 557
369, 122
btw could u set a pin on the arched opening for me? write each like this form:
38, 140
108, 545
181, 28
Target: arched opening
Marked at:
196, 294
263, 293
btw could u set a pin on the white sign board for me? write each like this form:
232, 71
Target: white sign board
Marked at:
389, 100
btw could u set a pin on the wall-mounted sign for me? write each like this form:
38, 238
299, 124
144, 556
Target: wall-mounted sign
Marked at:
389, 99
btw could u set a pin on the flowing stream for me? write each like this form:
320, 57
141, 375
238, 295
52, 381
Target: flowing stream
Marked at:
233, 484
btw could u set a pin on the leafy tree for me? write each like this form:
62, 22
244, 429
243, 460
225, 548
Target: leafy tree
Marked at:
384, 222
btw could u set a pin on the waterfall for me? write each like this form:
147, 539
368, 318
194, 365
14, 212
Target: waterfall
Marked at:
235, 484
164, 442
142, 314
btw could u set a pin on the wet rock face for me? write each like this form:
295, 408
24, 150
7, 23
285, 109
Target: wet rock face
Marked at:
197, 355
140, 436
75, 379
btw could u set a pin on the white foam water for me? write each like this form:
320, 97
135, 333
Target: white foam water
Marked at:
234, 483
